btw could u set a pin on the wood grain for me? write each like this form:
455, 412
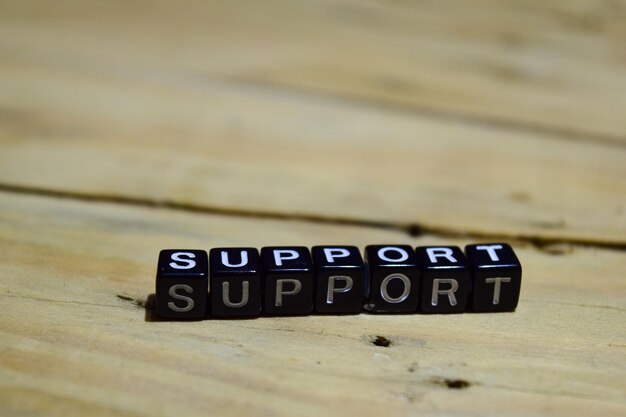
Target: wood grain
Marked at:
72, 346
128, 127
530, 65
122, 131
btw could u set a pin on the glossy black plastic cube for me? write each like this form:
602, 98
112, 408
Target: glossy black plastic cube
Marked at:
393, 285
496, 277
340, 279
182, 284
445, 279
235, 282
288, 280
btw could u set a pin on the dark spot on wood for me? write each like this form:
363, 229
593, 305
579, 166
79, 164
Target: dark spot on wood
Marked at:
415, 230
456, 383
381, 341
139, 302
555, 248
451, 383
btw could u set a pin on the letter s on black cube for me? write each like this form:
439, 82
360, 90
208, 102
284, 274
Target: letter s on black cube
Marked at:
393, 279
182, 284
445, 279
288, 276
235, 282
339, 274
496, 277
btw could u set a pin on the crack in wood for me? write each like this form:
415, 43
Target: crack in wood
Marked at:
562, 303
543, 243
51, 300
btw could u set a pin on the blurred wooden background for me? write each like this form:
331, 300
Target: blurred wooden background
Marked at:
128, 127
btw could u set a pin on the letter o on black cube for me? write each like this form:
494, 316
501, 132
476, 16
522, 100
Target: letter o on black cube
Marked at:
339, 275
235, 282
182, 284
496, 277
288, 276
393, 279
445, 279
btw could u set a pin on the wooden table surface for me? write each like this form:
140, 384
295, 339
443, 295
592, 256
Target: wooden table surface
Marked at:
129, 127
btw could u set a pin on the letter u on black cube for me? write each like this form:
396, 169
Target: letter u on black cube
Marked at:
445, 279
496, 277
235, 282
393, 279
288, 276
339, 275
182, 284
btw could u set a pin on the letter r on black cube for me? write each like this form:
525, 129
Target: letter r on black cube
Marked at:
445, 279
182, 284
496, 277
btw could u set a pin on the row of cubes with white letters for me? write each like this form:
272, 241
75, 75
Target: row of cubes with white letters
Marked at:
291, 280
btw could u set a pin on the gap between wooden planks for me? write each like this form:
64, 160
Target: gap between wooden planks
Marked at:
169, 137
75, 340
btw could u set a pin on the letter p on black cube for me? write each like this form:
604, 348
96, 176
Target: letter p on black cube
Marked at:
496, 277
288, 276
340, 278
182, 284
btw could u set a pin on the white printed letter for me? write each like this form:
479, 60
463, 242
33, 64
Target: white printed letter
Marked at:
434, 253
332, 253
491, 250
226, 262
188, 263
281, 255
382, 254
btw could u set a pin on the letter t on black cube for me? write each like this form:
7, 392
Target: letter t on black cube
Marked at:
182, 284
496, 277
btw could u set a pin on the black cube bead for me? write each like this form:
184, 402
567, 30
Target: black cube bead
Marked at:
288, 280
496, 277
393, 285
340, 279
182, 284
235, 278
445, 279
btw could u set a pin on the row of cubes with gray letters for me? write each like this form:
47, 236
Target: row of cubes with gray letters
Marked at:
291, 280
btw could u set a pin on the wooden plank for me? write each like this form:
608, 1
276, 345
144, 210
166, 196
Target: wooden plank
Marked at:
533, 65
70, 346
167, 137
